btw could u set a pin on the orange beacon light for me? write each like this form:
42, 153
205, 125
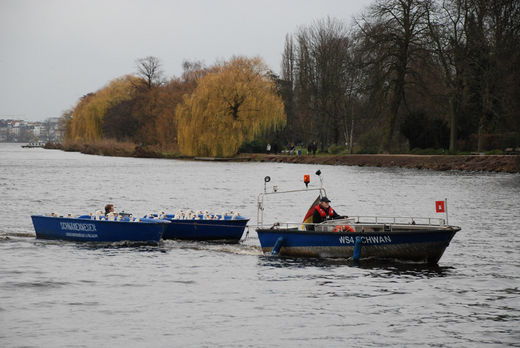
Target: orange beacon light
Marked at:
306, 180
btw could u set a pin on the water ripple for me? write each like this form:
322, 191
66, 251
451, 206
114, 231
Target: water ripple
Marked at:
37, 285
62, 294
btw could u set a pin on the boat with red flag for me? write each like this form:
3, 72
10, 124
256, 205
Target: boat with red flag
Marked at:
412, 239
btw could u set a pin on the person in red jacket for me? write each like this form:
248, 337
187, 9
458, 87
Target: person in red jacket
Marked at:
323, 211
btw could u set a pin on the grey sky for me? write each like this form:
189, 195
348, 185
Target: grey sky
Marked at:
52, 52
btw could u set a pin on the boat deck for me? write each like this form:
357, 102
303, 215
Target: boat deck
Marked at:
367, 224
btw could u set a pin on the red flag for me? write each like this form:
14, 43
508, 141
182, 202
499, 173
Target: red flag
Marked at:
439, 206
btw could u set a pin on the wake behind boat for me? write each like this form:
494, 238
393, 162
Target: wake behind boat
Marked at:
89, 228
407, 239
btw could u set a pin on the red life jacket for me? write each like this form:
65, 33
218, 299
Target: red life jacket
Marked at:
323, 213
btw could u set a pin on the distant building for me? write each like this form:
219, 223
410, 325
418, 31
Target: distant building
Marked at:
20, 131
3, 134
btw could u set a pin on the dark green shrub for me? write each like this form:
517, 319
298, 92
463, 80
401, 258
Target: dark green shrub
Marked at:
255, 146
370, 142
336, 149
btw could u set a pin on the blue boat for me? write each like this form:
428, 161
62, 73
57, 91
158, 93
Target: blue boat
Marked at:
203, 226
87, 228
400, 241
398, 238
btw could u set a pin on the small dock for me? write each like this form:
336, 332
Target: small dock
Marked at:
33, 145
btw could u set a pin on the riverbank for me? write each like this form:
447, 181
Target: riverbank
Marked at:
485, 163
475, 163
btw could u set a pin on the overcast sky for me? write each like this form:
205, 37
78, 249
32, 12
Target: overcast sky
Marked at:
52, 52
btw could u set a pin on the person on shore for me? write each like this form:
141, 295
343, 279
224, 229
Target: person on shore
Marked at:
314, 147
323, 211
291, 149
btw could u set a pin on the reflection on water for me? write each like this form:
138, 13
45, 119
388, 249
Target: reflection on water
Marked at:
409, 270
381, 268
182, 293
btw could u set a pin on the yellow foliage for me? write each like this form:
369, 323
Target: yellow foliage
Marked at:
87, 119
230, 106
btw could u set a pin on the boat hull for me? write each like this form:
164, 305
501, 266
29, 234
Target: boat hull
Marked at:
229, 231
87, 230
418, 246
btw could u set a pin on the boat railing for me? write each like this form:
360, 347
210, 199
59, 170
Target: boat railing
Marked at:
359, 220
261, 197
406, 220
377, 220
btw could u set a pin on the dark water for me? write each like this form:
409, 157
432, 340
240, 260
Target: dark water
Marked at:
60, 294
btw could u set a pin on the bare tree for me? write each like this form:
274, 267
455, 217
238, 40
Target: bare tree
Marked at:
395, 33
149, 69
193, 70
446, 23
448, 69
315, 65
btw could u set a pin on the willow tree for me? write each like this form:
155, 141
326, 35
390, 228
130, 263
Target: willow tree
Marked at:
231, 105
87, 120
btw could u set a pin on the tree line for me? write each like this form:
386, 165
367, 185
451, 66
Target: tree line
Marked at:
208, 111
408, 74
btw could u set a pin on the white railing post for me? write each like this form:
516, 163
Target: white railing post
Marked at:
446, 204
